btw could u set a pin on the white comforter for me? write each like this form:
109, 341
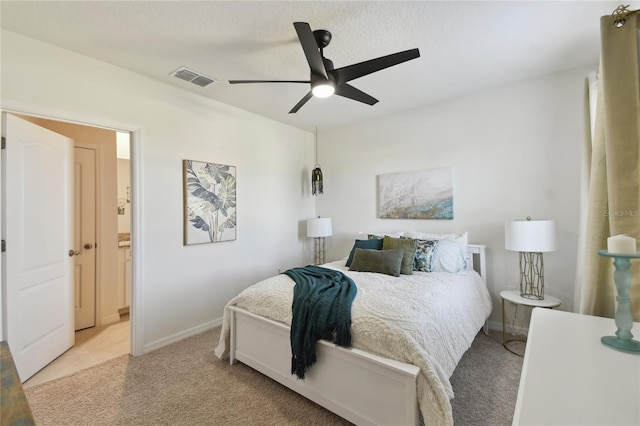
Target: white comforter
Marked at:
425, 319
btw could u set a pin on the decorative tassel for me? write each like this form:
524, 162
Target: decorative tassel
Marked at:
343, 335
316, 181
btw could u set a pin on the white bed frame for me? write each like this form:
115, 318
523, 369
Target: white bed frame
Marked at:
363, 388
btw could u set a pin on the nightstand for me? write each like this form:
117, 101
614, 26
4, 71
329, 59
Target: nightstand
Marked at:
514, 297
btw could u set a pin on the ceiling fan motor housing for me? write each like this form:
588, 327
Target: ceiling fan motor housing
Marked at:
323, 38
319, 79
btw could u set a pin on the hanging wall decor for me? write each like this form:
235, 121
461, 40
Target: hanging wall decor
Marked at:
424, 194
209, 202
316, 173
316, 180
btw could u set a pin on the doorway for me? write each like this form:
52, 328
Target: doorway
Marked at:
107, 305
124, 221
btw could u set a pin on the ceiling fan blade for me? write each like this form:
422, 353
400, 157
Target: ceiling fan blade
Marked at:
302, 102
310, 47
348, 91
267, 81
354, 71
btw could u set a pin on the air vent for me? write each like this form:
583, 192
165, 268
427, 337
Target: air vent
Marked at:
192, 77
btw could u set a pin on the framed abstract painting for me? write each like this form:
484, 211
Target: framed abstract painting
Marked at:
423, 194
209, 202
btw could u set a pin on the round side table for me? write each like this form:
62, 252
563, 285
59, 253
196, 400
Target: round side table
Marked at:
514, 297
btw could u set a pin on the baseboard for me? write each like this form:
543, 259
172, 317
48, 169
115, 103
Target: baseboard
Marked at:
510, 329
183, 335
495, 326
110, 319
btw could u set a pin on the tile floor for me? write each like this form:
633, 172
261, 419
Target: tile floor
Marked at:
93, 346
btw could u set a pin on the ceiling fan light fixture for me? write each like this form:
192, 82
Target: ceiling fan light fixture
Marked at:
323, 89
325, 79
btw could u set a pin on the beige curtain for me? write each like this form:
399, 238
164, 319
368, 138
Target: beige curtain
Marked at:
614, 167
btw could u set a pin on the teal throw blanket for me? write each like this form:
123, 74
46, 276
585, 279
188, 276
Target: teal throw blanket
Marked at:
322, 301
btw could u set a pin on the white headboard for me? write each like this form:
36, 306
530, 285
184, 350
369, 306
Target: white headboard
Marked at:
477, 253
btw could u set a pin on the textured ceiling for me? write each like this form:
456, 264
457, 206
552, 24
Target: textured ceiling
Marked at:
465, 46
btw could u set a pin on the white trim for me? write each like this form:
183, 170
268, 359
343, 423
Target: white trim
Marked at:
3, 308
518, 330
176, 337
19, 107
137, 305
137, 293
109, 319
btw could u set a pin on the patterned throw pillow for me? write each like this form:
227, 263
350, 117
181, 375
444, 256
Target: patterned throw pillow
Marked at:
423, 260
381, 235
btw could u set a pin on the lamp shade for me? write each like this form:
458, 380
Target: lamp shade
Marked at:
530, 235
319, 227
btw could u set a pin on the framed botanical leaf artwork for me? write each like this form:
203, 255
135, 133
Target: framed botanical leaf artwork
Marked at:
209, 202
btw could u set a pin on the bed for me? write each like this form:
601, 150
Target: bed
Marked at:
404, 351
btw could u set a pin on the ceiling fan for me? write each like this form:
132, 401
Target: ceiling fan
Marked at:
325, 80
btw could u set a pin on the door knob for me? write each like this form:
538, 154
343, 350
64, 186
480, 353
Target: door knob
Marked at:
88, 246
73, 253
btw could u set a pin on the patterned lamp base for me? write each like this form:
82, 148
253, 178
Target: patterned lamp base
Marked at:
531, 275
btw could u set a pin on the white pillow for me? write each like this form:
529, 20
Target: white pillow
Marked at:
450, 256
460, 238
364, 235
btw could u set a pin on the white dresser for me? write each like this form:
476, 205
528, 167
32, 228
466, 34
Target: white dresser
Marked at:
570, 378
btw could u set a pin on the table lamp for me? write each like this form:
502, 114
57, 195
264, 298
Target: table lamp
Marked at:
531, 238
319, 228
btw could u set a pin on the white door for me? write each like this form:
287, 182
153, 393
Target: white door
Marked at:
84, 237
38, 263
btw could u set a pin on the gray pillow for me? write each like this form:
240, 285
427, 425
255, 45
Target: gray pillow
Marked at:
409, 248
381, 261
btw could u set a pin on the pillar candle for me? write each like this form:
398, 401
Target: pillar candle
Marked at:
621, 244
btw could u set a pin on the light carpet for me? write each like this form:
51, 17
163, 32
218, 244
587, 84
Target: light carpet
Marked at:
185, 384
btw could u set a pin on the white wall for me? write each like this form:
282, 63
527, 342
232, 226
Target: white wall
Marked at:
515, 152
184, 289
